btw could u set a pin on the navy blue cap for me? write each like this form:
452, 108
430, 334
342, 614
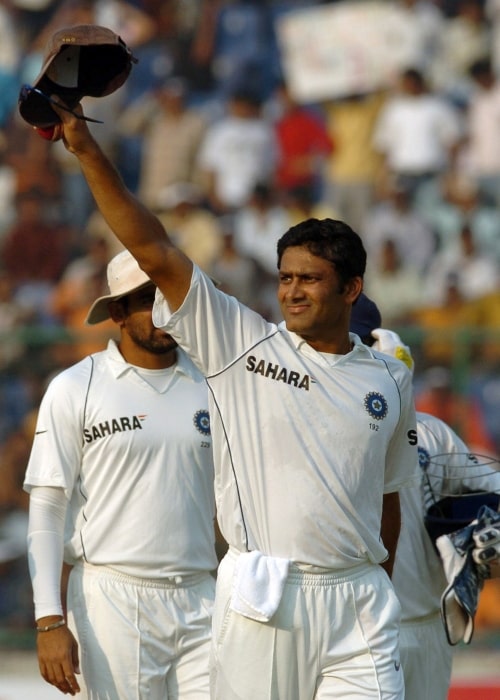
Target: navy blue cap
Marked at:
365, 316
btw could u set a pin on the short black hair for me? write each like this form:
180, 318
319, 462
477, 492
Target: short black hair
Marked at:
330, 239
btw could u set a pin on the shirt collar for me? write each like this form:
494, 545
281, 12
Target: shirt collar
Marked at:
303, 346
119, 366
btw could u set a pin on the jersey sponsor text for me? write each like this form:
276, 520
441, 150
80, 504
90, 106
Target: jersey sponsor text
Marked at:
115, 425
271, 370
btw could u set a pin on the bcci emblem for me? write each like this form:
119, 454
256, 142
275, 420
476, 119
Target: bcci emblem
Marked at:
424, 458
376, 405
201, 421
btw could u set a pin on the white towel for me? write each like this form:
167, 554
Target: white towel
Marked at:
258, 585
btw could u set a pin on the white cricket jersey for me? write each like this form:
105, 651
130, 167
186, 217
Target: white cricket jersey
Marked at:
418, 575
135, 463
304, 449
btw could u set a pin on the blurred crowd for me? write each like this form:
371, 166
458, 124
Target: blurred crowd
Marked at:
208, 132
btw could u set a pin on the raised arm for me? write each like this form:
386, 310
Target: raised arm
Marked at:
131, 222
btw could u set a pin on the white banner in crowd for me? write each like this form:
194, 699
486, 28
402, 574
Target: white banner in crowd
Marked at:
350, 48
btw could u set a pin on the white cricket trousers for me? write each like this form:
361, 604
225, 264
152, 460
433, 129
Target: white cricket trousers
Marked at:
141, 639
426, 658
334, 636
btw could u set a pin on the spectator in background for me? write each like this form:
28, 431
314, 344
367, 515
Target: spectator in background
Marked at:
258, 226
465, 37
487, 353
394, 216
395, 281
97, 228
34, 251
301, 205
417, 132
11, 41
83, 280
353, 168
194, 33
304, 144
456, 203
31, 160
164, 117
481, 152
238, 151
13, 316
237, 274
446, 327
236, 38
428, 20
476, 274
492, 14
196, 230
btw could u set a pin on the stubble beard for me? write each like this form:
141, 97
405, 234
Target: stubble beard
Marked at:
156, 343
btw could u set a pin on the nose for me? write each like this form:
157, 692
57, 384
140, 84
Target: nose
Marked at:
294, 289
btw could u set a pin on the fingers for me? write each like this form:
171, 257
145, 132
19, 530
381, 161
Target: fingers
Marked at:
57, 654
52, 133
65, 113
487, 537
487, 545
63, 680
73, 128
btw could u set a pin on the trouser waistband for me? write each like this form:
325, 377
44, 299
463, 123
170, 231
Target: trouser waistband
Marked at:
175, 581
317, 575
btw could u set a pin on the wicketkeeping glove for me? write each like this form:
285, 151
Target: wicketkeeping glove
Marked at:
465, 575
487, 546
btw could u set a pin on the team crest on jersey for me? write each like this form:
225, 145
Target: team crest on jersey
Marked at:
376, 405
201, 420
424, 458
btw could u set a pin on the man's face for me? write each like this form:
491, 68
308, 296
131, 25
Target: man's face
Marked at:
311, 299
138, 324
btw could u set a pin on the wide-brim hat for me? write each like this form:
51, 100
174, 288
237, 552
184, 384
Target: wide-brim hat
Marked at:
365, 316
82, 60
124, 277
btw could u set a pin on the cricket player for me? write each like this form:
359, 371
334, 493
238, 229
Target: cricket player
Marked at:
314, 434
121, 488
418, 575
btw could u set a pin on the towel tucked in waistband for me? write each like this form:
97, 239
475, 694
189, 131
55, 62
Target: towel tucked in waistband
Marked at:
258, 585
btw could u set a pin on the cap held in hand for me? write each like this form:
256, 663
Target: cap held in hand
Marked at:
79, 61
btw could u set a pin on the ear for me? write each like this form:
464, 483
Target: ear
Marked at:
116, 311
353, 289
